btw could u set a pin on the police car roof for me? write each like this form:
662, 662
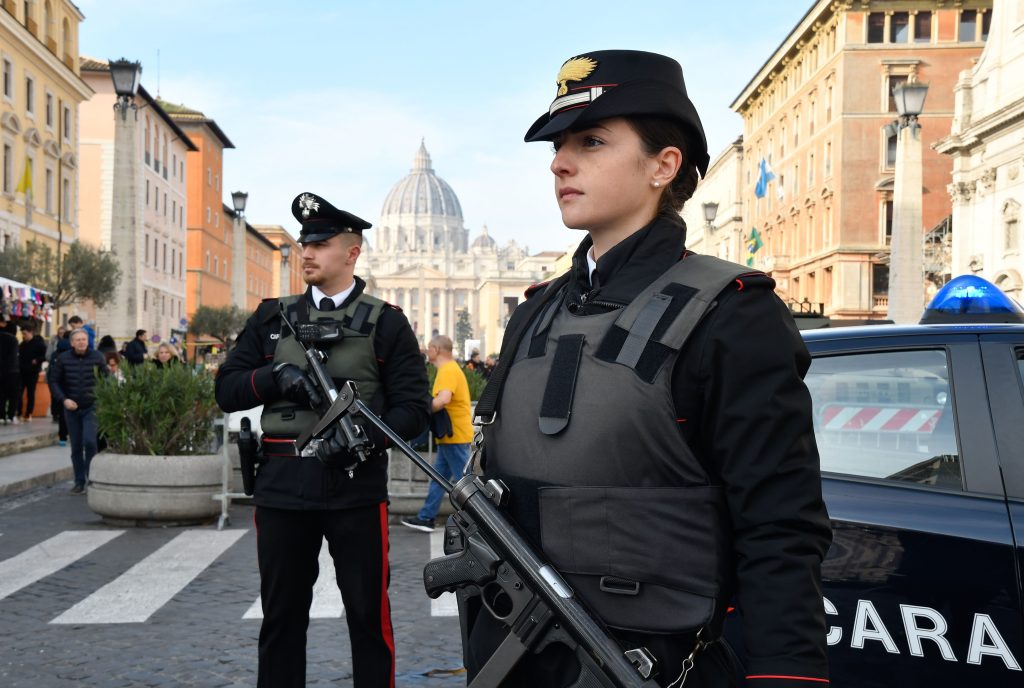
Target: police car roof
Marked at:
894, 331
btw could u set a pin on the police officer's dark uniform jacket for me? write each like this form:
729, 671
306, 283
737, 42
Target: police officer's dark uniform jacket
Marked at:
655, 433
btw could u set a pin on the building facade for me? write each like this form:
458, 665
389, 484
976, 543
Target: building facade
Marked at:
261, 256
208, 223
39, 101
987, 148
419, 257
721, 188
159, 150
816, 113
286, 272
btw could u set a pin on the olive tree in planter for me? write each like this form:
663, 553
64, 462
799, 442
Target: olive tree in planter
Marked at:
159, 466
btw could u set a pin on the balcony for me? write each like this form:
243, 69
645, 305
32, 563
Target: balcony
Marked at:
769, 263
880, 302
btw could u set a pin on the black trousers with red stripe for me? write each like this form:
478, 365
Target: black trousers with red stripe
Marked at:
288, 544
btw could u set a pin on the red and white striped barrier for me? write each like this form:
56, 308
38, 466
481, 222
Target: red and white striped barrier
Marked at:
840, 417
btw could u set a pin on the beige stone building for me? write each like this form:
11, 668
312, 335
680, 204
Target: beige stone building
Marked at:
39, 101
987, 148
419, 257
721, 188
160, 201
286, 274
816, 113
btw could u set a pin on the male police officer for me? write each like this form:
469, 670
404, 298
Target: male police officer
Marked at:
300, 500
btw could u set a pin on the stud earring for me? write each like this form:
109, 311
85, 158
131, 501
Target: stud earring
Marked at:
656, 184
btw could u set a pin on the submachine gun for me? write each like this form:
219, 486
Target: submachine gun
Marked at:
484, 550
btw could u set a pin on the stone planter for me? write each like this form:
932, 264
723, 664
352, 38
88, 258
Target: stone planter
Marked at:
127, 489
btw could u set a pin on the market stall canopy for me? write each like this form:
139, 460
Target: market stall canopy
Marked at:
20, 300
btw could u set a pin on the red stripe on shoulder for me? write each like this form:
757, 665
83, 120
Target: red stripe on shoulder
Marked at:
534, 288
393, 306
773, 677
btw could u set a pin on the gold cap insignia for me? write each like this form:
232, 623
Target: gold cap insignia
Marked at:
308, 204
576, 69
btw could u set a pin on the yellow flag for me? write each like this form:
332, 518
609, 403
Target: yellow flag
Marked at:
25, 185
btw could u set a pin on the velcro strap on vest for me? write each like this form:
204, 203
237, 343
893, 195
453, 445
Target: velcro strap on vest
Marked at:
561, 386
360, 319
643, 327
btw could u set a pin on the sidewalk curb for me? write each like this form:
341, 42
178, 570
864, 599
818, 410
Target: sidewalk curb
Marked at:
27, 444
44, 480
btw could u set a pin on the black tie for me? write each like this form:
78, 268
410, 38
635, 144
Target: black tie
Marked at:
327, 304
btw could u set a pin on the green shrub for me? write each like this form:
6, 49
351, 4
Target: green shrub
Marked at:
158, 411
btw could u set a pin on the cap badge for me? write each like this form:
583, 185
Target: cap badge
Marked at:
575, 69
308, 205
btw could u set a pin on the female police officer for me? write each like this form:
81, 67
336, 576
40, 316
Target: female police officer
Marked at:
651, 421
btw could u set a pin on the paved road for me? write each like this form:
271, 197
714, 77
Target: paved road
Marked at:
84, 604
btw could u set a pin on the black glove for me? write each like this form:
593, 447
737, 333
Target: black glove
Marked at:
335, 451
296, 386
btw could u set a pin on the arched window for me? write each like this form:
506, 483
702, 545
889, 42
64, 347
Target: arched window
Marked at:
48, 33
1011, 226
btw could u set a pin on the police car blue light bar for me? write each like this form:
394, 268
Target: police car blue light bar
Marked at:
972, 299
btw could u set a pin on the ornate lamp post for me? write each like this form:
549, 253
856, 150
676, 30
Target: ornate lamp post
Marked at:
906, 258
238, 285
125, 315
710, 213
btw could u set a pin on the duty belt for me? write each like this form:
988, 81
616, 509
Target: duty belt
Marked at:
280, 447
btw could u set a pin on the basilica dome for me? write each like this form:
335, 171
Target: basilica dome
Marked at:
422, 192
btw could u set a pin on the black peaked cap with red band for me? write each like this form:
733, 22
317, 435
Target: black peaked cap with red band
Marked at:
320, 220
616, 83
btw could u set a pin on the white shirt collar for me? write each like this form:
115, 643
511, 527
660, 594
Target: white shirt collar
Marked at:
591, 263
338, 298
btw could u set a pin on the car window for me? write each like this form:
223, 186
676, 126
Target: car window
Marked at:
886, 415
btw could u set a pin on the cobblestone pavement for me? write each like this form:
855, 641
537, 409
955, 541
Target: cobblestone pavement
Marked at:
199, 636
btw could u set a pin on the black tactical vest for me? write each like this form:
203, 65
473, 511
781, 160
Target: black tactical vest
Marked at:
586, 438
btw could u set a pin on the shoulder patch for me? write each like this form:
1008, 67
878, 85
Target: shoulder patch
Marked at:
534, 288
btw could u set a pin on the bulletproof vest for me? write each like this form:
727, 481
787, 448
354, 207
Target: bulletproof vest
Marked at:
350, 358
587, 440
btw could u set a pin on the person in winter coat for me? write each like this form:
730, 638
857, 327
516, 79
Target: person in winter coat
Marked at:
72, 379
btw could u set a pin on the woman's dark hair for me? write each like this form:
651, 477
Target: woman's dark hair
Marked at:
657, 133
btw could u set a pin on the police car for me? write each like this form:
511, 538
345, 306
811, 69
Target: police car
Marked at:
921, 435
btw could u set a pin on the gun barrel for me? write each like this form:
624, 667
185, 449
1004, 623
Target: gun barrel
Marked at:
403, 447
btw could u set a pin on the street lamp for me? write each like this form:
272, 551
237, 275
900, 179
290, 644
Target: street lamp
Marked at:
710, 212
126, 76
238, 285
906, 257
124, 314
238, 199
285, 282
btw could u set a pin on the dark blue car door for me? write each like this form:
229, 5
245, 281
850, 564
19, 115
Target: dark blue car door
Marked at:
921, 584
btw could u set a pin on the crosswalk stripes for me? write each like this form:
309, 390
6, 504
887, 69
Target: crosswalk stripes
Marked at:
145, 587
150, 584
445, 605
327, 602
50, 556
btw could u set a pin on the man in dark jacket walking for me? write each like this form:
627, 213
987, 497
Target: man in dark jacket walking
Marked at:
72, 379
135, 352
31, 354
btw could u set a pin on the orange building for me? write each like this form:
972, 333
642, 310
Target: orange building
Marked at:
816, 114
208, 253
288, 262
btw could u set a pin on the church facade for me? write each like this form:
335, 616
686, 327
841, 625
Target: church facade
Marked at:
423, 260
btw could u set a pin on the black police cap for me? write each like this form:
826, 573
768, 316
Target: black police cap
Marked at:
616, 83
320, 220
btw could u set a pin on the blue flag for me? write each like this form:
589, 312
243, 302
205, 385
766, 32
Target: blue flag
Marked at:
764, 176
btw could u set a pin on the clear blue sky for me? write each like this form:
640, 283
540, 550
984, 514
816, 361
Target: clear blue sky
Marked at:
334, 97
